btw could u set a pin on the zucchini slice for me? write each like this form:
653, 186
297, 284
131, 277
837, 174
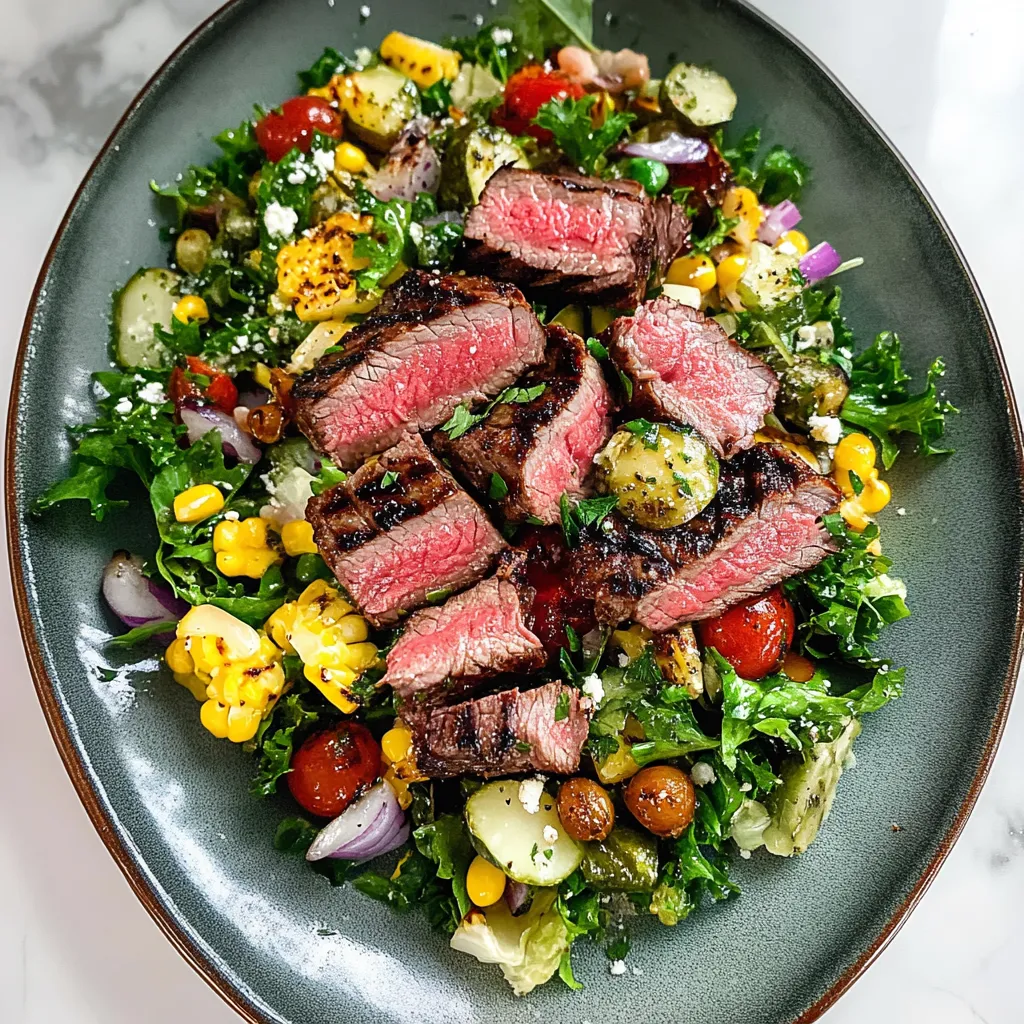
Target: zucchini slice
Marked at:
146, 300
378, 104
699, 96
514, 839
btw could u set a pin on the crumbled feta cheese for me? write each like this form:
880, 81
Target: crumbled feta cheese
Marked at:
364, 11
702, 774
623, 659
807, 335
273, 332
478, 20
827, 429
530, 792
280, 220
153, 393
323, 161
745, 787
297, 176
594, 688
231, 514
550, 834
607, 526
745, 854
617, 967
501, 36
901, 511
123, 407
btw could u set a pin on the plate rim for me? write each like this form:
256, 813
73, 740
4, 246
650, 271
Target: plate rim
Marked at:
132, 867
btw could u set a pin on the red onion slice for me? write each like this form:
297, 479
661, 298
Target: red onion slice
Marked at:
672, 149
412, 166
134, 598
821, 261
517, 896
201, 419
363, 829
779, 220
373, 841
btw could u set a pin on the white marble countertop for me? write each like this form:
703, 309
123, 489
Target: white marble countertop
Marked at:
940, 77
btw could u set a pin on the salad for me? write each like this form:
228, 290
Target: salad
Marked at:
514, 474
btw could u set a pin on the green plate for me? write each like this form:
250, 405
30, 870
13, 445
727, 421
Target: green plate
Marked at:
172, 804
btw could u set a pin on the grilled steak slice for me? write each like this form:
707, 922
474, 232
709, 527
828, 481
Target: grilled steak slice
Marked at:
684, 368
504, 733
545, 446
568, 236
762, 527
446, 652
433, 343
391, 543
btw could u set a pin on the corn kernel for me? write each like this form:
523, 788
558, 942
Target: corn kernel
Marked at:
242, 548
695, 270
348, 157
729, 272
854, 452
352, 629
631, 641
297, 538
876, 494
324, 93
743, 205
875, 548
191, 307
178, 658
422, 61
797, 667
197, 503
854, 515
396, 744
485, 883
793, 243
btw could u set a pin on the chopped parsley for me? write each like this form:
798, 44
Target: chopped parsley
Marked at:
462, 420
578, 515
584, 143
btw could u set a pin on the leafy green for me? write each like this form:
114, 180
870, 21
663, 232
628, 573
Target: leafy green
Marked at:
325, 67
670, 728
275, 740
880, 399
848, 598
140, 634
498, 488
579, 514
780, 174
689, 874
463, 420
645, 430
328, 476
596, 348
571, 123
416, 885
541, 25
436, 99
717, 233
446, 842
295, 836
494, 48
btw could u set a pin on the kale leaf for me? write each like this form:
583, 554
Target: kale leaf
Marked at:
779, 175
584, 143
276, 737
446, 842
493, 48
326, 66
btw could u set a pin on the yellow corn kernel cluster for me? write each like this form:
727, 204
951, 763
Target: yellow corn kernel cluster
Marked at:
729, 271
695, 270
400, 762
424, 62
190, 307
195, 504
297, 538
856, 454
321, 627
316, 272
243, 548
742, 204
349, 157
235, 670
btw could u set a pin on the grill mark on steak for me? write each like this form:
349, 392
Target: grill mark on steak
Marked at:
568, 236
543, 447
504, 733
683, 367
432, 343
762, 527
391, 546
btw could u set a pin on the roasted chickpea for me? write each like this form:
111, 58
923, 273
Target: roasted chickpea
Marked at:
662, 799
585, 809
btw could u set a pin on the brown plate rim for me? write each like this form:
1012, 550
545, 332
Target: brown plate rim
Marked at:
103, 822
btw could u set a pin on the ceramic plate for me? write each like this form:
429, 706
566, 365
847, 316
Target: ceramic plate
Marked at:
172, 803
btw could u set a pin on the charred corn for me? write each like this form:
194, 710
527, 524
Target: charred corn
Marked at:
243, 548
424, 62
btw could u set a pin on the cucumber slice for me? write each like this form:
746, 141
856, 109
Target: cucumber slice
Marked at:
699, 96
514, 838
147, 299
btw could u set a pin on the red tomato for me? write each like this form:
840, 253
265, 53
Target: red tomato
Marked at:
294, 123
221, 390
526, 92
752, 636
333, 767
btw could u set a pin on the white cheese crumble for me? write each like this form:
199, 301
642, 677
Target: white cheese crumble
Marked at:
153, 393
297, 177
702, 774
901, 511
231, 514
323, 161
501, 35
623, 659
745, 854
594, 688
550, 834
827, 429
280, 220
808, 336
364, 11
123, 407
617, 967
530, 792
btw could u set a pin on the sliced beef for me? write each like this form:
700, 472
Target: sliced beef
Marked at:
445, 652
544, 447
400, 528
762, 527
566, 236
683, 367
433, 343
505, 733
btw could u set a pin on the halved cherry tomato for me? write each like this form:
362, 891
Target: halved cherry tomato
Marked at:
752, 636
333, 767
293, 124
221, 390
526, 92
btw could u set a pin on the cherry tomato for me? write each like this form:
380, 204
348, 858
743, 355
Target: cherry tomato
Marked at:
221, 390
294, 123
752, 636
333, 767
526, 92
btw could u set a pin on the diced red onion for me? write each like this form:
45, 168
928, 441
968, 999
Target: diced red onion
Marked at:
517, 896
778, 221
201, 419
369, 827
821, 261
412, 166
134, 598
672, 149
